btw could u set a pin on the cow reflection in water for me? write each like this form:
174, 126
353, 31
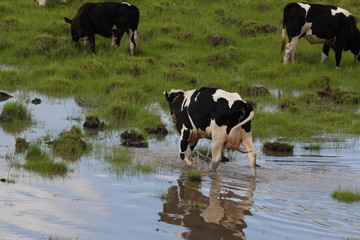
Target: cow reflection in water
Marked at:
219, 216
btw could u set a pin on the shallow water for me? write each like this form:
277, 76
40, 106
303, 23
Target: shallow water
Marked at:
289, 199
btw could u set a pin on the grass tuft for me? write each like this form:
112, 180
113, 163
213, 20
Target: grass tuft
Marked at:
194, 176
347, 195
15, 112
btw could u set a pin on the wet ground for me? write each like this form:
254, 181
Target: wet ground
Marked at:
289, 199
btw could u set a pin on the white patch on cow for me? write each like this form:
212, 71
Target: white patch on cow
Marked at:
197, 96
304, 6
340, 10
230, 97
114, 27
310, 37
126, 3
187, 98
323, 57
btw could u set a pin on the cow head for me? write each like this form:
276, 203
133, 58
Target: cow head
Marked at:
171, 97
74, 33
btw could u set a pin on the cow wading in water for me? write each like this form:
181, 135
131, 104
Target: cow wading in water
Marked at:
212, 113
107, 19
331, 26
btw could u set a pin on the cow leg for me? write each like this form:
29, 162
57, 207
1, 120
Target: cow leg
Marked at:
248, 145
116, 37
219, 138
290, 50
338, 52
89, 42
132, 40
325, 53
184, 145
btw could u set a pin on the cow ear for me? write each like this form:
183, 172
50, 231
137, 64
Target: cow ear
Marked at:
67, 20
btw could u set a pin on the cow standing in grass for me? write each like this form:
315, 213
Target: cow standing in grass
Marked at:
212, 113
107, 19
331, 26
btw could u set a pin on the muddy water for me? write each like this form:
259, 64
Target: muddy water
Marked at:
289, 199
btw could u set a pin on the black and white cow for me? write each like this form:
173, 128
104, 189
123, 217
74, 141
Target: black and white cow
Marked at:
331, 26
212, 113
107, 19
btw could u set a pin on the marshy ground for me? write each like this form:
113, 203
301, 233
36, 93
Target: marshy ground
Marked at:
105, 195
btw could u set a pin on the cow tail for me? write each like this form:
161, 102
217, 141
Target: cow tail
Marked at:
233, 132
283, 41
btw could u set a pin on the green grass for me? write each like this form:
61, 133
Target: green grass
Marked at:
15, 112
177, 54
194, 176
70, 144
347, 195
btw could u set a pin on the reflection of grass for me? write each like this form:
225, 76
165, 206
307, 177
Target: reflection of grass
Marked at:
142, 168
163, 196
119, 160
347, 195
313, 147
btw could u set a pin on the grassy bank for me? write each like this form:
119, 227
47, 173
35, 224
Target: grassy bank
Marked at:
176, 51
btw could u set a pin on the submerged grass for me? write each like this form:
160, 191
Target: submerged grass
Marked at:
40, 162
347, 195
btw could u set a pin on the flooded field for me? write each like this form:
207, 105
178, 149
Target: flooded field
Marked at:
289, 199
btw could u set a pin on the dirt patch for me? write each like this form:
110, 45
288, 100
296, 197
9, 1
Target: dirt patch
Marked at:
93, 122
216, 40
133, 139
278, 147
267, 29
180, 75
36, 101
183, 36
254, 91
4, 96
21, 145
222, 59
159, 130
337, 96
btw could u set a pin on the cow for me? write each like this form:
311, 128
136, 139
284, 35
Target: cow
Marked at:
107, 19
331, 26
212, 113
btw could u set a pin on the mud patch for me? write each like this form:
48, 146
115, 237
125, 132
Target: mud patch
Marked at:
254, 91
133, 139
4, 96
93, 122
36, 101
159, 130
215, 40
21, 145
277, 147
